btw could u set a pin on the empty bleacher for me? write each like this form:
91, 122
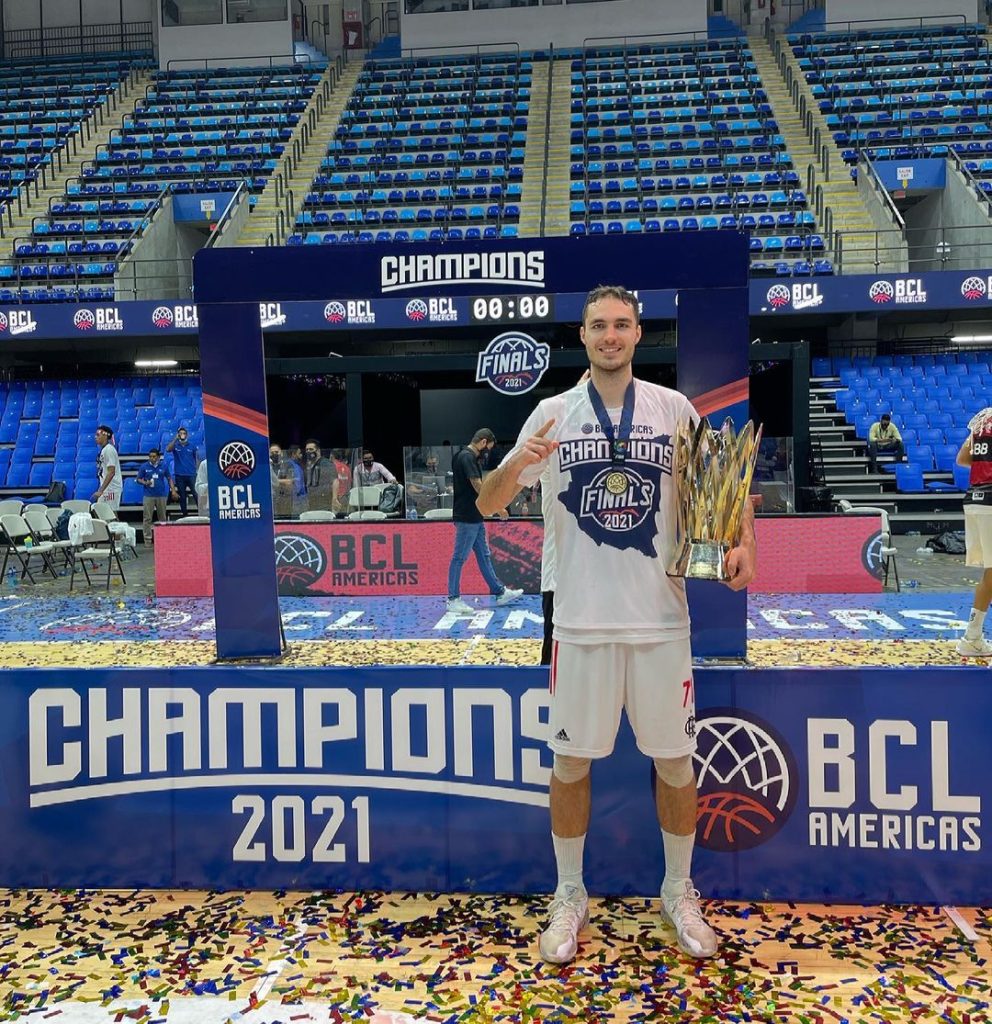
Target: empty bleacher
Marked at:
426, 149
47, 429
195, 131
44, 106
681, 137
903, 92
932, 398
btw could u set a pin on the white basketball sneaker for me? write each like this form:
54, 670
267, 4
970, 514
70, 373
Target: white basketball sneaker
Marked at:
509, 596
683, 911
456, 604
977, 648
569, 914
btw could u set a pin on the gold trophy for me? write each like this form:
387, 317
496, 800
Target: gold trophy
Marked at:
712, 473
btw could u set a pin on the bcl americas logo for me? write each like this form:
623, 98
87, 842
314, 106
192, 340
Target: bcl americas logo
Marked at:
300, 562
182, 316
104, 318
352, 311
747, 780
513, 363
974, 288
441, 310
801, 295
907, 291
18, 321
236, 460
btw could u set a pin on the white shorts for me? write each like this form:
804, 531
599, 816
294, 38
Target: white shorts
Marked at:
591, 683
111, 497
978, 535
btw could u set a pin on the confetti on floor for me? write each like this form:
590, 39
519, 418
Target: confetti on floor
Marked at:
151, 957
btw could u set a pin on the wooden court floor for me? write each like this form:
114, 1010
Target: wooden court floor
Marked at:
173, 956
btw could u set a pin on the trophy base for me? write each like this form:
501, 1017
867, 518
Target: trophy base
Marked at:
701, 560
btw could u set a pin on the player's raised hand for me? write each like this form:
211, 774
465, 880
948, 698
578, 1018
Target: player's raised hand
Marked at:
538, 446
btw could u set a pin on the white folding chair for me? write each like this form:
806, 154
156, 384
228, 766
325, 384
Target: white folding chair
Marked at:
11, 506
365, 497
318, 515
887, 552
368, 513
438, 513
17, 534
43, 531
99, 547
76, 505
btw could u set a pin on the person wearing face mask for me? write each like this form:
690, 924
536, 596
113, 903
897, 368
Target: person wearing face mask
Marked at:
320, 477
283, 482
370, 472
184, 464
470, 527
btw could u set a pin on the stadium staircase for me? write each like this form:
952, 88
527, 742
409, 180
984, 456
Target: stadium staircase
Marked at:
841, 454
311, 144
549, 190
104, 120
840, 194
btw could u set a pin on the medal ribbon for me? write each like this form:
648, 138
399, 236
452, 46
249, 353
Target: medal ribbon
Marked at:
619, 437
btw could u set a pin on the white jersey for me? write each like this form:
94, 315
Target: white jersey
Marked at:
611, 550
548, 499
108, 457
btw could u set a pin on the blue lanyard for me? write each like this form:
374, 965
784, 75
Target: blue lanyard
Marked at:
619, 438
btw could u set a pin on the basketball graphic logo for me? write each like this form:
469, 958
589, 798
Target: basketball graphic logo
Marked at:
162, 317
973, 288
236, 460
778, 296
881, 292
416, 310
871, 555
335, 312
746, 777
83, 319
3, 321
300, 562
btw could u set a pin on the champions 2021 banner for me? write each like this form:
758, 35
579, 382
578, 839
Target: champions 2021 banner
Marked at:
843, 785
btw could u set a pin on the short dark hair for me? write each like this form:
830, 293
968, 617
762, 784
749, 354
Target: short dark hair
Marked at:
105, 429
483, 434
311, 440
154, 451
613, 291
365, 451
886, 416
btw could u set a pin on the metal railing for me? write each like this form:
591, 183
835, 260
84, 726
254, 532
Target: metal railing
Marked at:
77, 39
241, 195
547, 137
935, 21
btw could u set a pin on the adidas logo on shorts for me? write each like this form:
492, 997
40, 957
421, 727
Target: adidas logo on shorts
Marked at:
562, 736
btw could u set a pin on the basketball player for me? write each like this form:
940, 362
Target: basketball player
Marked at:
976, 452
621, 624
108, 467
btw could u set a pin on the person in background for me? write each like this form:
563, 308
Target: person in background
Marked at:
470, 527
202, 488
295, 456
320, 477
154, 476
183, 466
884, 437
283, 482
343, 470
108, 469
976, 453
370, 472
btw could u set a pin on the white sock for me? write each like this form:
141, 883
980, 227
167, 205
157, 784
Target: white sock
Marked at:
678, 862
568, 857
976, 620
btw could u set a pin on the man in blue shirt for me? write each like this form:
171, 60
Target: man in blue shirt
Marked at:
154, 476
184, 463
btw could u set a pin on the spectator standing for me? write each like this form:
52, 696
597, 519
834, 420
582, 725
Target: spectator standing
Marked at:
183, 466
343, 471
283, 482
976, 453
321, 478
370, 472
884, 437
108, 469
202, 487
295, 455
470, 527
154, 476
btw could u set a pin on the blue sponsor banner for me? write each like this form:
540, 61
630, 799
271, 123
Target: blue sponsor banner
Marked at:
246, 596
881, 293
845, 785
